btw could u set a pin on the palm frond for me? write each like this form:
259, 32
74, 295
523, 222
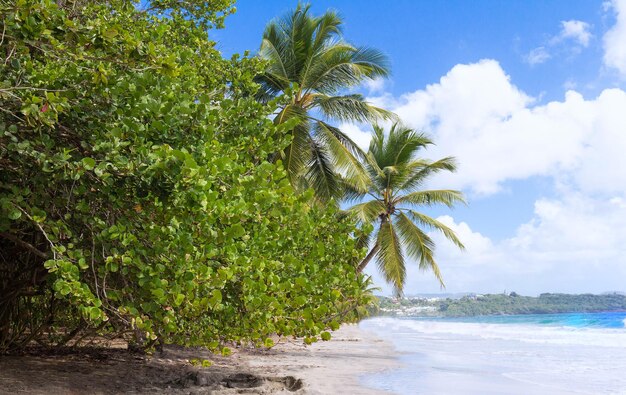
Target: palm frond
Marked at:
342, 138
276, 51
400, 146
425, 169
367, 212
432, 223
378, 140
447, 197
351, 193
377, 175
301, 28
341, 65
297, 156
275, 63
343, 151
402, 173
290, 112
390, 258
372, 63
418, 245
404, 145
350, 108
320, 174
327, 27
370, 162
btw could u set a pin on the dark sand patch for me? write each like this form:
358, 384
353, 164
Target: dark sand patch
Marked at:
116, 371
289, 368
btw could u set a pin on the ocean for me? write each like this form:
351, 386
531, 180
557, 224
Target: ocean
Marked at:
582, 353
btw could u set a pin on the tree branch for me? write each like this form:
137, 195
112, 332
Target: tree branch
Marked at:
25, 244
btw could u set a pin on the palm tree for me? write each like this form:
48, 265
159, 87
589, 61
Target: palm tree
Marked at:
395, 179
310, 63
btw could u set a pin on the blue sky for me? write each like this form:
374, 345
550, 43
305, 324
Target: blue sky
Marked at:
528, 95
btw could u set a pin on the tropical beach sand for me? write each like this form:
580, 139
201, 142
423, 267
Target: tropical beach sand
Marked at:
332, 367
288, 368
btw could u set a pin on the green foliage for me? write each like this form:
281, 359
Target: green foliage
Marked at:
309, 63
205, 13
498, 304
136, 198
205, 363
544, 304
395, 177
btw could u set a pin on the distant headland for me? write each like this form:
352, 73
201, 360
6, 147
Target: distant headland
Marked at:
470, 304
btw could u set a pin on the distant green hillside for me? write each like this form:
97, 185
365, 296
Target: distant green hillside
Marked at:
500, 304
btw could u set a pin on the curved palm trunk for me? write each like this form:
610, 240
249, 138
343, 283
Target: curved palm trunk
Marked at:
368, 258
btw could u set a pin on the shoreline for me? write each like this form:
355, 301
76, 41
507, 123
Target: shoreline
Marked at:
535, 357
333, 366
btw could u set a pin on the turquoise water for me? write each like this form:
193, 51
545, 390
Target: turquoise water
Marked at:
575, 320
581, 353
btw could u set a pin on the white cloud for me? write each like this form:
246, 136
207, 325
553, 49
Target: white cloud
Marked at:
615, 39
477, 246
537, 56
570, 85
572, 244
498, 133
573, 228
376, 85
572, 30
360, 137
576, 30
575, 240
600, 169
579, 238
453, 101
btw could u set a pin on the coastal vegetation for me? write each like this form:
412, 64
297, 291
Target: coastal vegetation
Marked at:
395, 178
155, 192
501, 304
136, 195
310, 66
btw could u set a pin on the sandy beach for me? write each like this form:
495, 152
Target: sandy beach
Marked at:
331, 367
288, 368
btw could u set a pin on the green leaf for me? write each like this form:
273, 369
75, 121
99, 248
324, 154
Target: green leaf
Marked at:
190, 162
89, 163
14, 214
216, 298
94, 313
236, 231
82, 263
158, 293
299, 301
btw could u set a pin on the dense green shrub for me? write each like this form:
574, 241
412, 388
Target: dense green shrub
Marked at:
135, 194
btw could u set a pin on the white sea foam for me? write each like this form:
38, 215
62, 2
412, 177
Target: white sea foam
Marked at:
524, 333
442, 357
